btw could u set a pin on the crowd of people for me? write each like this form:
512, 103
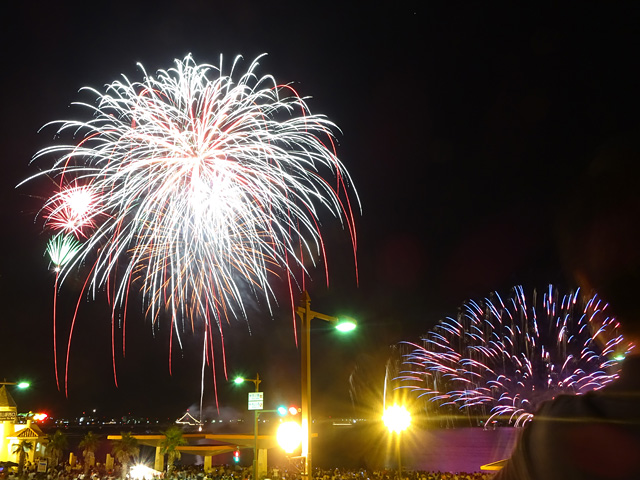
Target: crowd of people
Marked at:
226, 472
237, 473
343, 474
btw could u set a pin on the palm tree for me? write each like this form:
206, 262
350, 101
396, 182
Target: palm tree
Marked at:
124, 449
89, 445
172, 439
22, 449
56, 446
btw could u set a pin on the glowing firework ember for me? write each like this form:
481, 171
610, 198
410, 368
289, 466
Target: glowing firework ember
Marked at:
511, 356
71, 209
195, 185
61, 250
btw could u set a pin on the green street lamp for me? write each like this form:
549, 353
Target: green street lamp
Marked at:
256, 381
343, 325
20, 385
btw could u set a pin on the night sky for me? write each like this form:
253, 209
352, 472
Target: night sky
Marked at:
465, 128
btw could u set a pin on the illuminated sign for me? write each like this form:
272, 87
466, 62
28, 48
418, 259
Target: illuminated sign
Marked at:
256, 400
7, 416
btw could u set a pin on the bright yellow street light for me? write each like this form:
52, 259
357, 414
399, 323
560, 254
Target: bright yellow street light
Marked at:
397, 419
289, 436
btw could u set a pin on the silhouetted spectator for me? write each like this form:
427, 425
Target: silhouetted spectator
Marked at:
596, 435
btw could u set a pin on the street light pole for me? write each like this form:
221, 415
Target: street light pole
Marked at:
255, 433
304, 311
399, 454
306, 315
256, 381
397, 419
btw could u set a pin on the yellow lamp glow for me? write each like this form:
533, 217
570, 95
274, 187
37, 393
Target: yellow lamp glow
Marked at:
142, 472
396, 418
289, 436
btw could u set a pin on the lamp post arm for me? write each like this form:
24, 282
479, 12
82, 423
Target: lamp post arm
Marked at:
326, 318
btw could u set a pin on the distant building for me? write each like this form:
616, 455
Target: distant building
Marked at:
188, 419
12, 433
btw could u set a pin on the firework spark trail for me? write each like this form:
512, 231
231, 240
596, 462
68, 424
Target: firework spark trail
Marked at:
512, 356
61, 250
194, 185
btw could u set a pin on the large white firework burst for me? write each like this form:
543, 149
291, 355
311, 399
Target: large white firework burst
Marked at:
200, 183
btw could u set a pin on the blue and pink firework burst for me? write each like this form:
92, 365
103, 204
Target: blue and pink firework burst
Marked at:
501, 359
